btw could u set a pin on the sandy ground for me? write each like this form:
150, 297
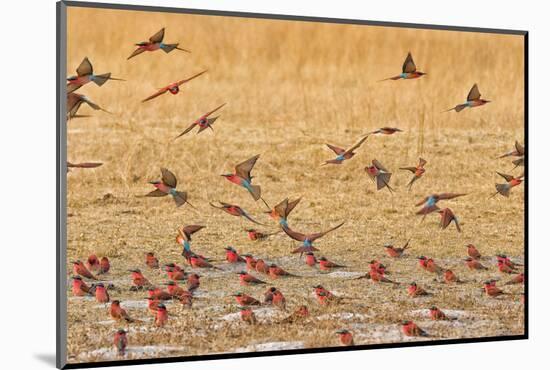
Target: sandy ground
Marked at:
290, 88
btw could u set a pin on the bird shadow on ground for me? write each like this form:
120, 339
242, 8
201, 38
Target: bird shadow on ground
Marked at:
47, 358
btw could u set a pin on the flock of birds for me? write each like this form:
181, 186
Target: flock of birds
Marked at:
167, 185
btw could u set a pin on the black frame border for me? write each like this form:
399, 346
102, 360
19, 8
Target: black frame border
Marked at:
61, 187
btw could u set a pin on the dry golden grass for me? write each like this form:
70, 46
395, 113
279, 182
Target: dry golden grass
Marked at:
290, 87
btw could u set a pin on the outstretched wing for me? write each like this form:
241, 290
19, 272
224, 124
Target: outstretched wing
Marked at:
379, 165
243, 169
190, 230
506, 177
158, 93
168, 178
135, 53
412, 169
187, 130
474, 93
156, 193
282, 207
294, 234
291, 206
84, 164
312, 237
422, 162
357, 144
336, 149
190, 78
519, 148
422, 201
85, 68
157, 37
408, 65
444, 196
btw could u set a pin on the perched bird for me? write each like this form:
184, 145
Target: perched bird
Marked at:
197, 261
247, 315
408, 70
203, 122
279, 300
503, 267
378, 276
492, 291
83, 165
253, 234
307, 239
167, 185
118, 313
385, 131
232, 256
175, 290
343, 154
101, 294
281, 211
437, 314
449, 277
410, 329
396, 252
104, 265
518, 151
473, 252
472, 100
235, 210
429, 265
193, 282
173, 88
326, 265
85, 74
378, 173
155, 43
250, 262
184, 238
75, 101
268, 295
120, 342
346, 338
151, 261
174, 272
261, 266
276, 272
415, 291
162, 315
80, 269
311, 261
152, 305
518, 279
245, 300
417, 171
299, 314
242, 177
92, 263
138, 280
474, 264
429, 203
511, 181
248, 279
507, 261
80, 288
447, 216
158, 294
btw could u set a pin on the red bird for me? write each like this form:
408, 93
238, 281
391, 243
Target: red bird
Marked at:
232, 256
396, 252
346, 338
450, 277
491, 290
92, 263
326, 265
200, 262
507, 261
378, 277
151, 261
167, 185
503, 267
447, 216
378, 173
429, 203
104, 265
243, 178
410, 329
250, 262
473, 252
80, 269
118, 313
186, 299
184, 238
193, 282
203, 122
268, 295
311, 261
415, 291
101, 294
85, 74
138, 280
276, 272
474, 264
246, 300
299, 314
80, 288
518, 279
437, 314
281, 211
235, 210
279, 299
417, 171
247, 279
472, 100
152, 305
519, 151
83, 165
158, 294
511, 181
247, 315
307, 239
385, 131
155, 43
261, 266
175, 272
162, 315
343, 154
175, 290
256, 235
120, 342
408, 70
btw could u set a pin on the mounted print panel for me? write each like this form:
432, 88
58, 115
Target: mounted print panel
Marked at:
240, 185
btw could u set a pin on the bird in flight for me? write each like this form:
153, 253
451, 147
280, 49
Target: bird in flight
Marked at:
378, 173
511, 181
343, 154
417, 171
242, 177
173, 88
167, 186
155, 43
75, 101
203, 122
472, 100
408, 70
235, 210
307, 239
85, 74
